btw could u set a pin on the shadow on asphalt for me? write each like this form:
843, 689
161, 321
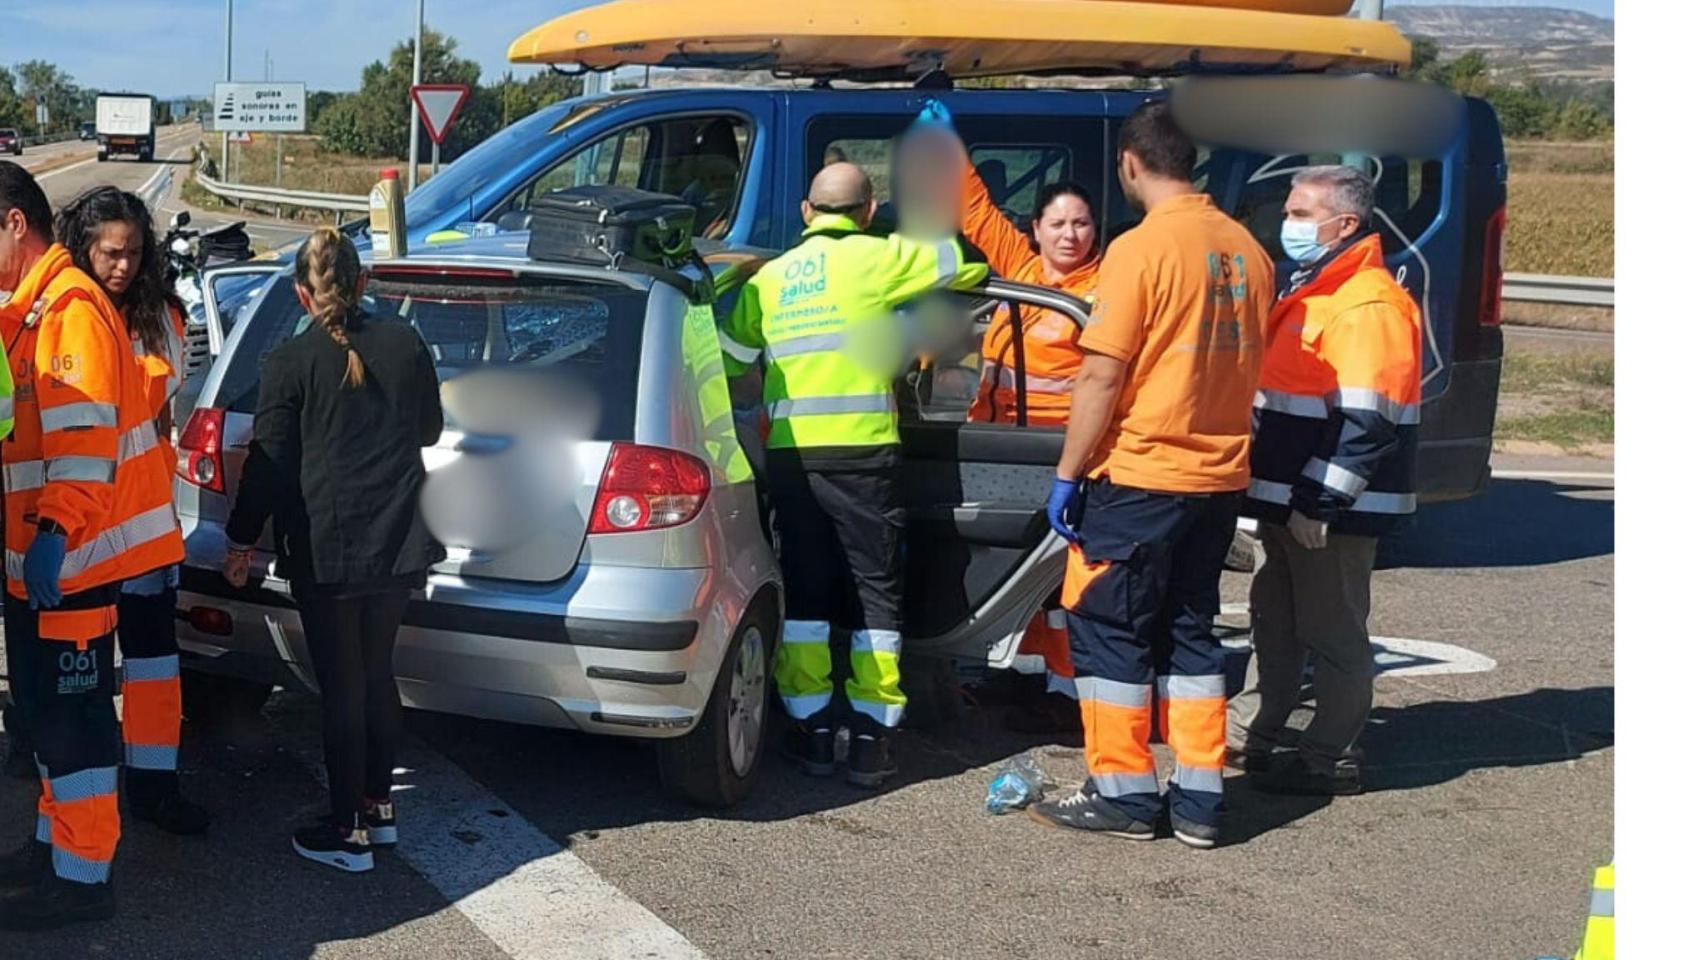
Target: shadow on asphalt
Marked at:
1515, 523
1441, 740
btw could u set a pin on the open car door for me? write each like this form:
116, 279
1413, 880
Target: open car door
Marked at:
980, 556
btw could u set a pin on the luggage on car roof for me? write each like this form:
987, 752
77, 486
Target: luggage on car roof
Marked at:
618, 227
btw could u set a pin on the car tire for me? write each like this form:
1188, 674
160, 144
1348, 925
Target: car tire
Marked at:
101, 158
212, 700
717, 763
934, 698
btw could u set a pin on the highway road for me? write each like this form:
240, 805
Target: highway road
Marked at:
158, 183
1489, 767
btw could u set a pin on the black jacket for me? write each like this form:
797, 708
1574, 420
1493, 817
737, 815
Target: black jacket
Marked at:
338, 468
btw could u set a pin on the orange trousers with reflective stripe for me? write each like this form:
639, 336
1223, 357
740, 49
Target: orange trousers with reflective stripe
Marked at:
61, 663
1141, 594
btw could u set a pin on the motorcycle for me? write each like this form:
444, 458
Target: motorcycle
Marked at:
188, 252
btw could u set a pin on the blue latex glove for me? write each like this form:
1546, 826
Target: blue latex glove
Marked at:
1066, 508
935, 112
42, 562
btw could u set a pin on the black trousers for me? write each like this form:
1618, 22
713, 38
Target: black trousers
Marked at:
351, 636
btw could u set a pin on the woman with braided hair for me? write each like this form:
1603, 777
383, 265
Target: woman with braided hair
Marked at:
345, 408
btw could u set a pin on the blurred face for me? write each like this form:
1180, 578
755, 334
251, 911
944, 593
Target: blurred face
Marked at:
1065, 233
115, 256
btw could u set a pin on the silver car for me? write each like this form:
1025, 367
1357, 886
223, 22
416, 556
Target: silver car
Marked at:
627, 586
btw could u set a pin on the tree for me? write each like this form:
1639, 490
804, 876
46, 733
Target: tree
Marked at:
12, 113
1523, 111
42, 82
375, 121
1424, 54
1580, 120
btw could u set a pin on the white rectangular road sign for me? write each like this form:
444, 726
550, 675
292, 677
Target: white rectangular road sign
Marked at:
263, 107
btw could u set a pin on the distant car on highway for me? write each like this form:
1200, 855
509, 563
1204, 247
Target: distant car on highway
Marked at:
86, 130
11, 141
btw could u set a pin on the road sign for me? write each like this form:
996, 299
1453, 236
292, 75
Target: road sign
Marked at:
41, 114
239, 136
266, 107
439, 104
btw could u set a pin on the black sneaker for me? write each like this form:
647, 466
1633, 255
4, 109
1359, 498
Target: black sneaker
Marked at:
812, 747
381, 823
1293, 777
869, 762
173, 814
1088, 810
1193, 834
335, 847
24, 867
55, 902
1249, 761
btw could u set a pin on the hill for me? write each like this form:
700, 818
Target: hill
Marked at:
1546, 42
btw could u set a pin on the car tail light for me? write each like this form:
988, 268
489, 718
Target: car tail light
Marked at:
1493, 271
201, 445
648, 488
211, 621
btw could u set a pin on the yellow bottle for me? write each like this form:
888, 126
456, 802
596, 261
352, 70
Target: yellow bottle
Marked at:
386, 222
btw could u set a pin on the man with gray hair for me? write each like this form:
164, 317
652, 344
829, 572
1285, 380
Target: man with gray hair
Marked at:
1333, 468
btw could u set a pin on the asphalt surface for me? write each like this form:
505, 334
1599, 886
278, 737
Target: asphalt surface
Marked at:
1489, 804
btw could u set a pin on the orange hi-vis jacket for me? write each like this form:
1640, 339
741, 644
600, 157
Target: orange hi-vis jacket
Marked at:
1339, 403
161, 378
84, 451
1052, 356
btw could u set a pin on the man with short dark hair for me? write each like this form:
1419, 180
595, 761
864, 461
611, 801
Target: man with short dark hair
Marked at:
1334, 469
1173, 349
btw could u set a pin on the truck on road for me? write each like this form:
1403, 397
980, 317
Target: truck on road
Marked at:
124, 123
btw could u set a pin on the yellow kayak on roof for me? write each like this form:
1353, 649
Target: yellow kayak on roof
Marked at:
874, 39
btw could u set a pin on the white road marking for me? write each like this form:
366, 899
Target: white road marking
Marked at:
1608, 479
521, 889
54, 173
1402, 657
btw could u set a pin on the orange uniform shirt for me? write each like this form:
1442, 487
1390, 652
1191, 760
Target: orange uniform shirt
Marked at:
161, 378
1183, 300
1052, 357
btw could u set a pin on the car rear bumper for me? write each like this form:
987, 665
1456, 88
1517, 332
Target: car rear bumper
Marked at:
639, 660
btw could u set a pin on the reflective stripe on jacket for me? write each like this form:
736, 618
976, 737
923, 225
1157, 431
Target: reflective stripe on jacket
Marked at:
1340, 399
161, 378
1052, 355
84, 452
822, 316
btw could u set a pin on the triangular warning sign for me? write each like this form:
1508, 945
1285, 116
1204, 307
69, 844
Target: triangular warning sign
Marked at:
439, 104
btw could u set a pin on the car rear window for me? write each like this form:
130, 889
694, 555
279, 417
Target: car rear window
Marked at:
585, 332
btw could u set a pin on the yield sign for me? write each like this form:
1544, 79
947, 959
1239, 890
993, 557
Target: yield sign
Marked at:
439, 104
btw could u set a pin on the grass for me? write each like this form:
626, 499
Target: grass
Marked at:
306, 167
1561, 208
1565, 400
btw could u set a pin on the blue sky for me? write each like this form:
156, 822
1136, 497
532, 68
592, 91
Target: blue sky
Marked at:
175, 47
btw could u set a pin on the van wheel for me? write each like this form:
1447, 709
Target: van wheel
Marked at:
212, 701
717, 763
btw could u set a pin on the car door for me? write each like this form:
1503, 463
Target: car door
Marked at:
980, 557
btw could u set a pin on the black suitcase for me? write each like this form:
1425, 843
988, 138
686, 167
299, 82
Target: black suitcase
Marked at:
608, 225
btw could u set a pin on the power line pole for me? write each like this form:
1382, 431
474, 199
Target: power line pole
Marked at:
224, 137
1371, 9
415, 115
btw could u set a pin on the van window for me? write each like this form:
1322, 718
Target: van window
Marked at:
588, 333
699, 158
1408, 196
1050, 149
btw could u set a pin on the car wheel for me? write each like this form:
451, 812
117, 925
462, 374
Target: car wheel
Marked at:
716, 765
101, 157
212, 700
934, 698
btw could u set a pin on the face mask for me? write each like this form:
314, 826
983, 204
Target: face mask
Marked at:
1297, 238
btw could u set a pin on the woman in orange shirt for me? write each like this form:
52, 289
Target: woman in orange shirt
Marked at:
1061, 252
110, 235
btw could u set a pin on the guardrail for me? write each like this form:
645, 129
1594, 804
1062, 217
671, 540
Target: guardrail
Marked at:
1545, 288
238, 193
